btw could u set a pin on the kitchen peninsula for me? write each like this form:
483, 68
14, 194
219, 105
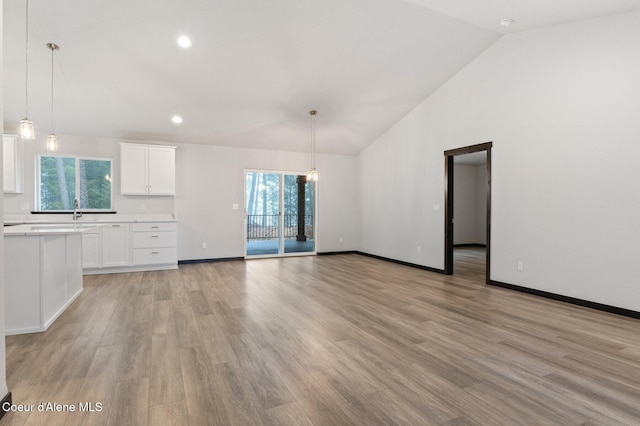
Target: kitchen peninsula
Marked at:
43, 273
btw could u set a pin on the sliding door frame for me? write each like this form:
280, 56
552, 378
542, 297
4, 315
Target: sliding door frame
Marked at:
281, 252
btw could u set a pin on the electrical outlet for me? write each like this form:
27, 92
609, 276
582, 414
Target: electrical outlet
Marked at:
520, 265
143, 206
204, 245
419, 249
236, 206
24, 206
341, 239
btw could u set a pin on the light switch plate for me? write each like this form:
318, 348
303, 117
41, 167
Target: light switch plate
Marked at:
235, 207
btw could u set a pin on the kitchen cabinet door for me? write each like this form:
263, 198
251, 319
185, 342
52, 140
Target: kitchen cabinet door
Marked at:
91, 250
147, 169
161, 163
133, 169
116, 245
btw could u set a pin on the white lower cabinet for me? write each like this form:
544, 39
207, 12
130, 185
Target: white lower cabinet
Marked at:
154, 256
116, 245
154, 243
124, 247
43, 275
91, 249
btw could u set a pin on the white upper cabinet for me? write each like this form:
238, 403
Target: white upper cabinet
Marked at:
147, 169
162, 170
12, 164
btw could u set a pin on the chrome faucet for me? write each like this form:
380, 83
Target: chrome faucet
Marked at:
76, 210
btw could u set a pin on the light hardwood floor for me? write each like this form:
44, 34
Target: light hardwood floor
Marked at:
329, 340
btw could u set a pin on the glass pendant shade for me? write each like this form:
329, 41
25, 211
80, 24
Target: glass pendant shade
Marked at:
26, 129
52, 142
52, 139
312, 175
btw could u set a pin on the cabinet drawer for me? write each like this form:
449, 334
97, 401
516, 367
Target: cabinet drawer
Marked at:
154, 226
151, 256
154, 239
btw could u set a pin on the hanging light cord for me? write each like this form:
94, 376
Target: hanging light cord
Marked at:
52, 50
26, 62
313, 138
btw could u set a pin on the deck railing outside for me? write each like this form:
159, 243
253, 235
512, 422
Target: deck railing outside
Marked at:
265, 227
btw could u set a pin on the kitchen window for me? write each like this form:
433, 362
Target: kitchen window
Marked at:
62, 179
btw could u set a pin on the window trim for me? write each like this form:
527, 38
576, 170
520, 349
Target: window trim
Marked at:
77, 159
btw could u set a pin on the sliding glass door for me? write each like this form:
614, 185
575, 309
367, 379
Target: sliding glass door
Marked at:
299, 213
280, 214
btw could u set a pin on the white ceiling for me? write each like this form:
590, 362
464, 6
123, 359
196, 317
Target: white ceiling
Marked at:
255, 68
527, 14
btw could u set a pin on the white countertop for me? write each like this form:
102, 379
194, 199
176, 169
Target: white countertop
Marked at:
67, 219
49, 229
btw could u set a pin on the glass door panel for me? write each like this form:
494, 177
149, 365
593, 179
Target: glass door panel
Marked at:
263, 220
299, 214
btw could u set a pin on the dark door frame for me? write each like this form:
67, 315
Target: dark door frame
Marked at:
448, 203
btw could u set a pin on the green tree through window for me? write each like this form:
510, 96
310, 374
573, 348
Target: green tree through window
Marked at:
63, 179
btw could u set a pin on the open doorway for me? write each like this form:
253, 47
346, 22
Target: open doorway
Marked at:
468, 221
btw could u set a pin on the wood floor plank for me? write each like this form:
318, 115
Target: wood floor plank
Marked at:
170, 414
186, 328
144, 308
267, 386
98, 386
163, 318
340, 340
318, 402
240, 402
288, 415
130, 402
136, 359
204, 405
165, 381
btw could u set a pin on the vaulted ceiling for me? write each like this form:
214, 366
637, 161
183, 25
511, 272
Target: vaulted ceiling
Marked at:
255, 67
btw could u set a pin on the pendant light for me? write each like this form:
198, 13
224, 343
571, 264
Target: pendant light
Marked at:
26, 126
312, 174
52, 139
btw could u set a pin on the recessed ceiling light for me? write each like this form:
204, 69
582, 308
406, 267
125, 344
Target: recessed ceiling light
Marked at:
176, 119
506, 22
184, 41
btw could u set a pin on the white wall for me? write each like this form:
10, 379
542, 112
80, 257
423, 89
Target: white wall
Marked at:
481, 204
464, 204
470, 204
211, 180
561, 107
89, 147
